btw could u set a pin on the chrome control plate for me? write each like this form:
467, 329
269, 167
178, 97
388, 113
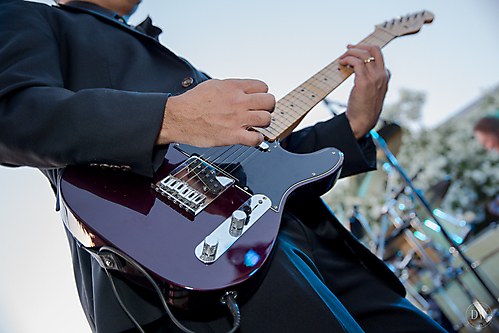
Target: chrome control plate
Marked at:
258, 205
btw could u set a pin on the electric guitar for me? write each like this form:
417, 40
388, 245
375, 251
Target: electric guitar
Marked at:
208, 220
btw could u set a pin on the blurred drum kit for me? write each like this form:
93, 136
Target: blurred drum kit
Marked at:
449, 273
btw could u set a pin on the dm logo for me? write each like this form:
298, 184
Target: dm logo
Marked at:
479, 315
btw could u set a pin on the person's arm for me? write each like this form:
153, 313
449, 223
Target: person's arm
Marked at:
47, 126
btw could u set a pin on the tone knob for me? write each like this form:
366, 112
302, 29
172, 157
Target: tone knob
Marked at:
210, 247
238, 221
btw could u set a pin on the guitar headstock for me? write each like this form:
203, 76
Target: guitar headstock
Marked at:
407, 25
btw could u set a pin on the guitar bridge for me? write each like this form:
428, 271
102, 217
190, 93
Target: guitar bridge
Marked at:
193, 185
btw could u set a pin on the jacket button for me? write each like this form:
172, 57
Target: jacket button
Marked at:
187, 82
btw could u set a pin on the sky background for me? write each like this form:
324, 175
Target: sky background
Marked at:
454, 61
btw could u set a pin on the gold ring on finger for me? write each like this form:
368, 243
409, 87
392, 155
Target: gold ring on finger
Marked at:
368, 60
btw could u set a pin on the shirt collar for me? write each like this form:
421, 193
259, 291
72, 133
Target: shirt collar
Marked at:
145, 27
88, 6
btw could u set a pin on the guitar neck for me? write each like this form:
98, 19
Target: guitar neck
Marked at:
292, 108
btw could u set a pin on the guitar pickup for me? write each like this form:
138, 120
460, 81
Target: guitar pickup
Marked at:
193, 185
206, 174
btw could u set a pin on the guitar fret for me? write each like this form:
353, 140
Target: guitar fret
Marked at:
340, 71
324, 79
271, 127
297, 109
386, 35
337, 75
300, 106
374, 40
295, 104
285, 109
388, 32
266, 131
284, 116
381, 39
380, 34
298, 102
317, 86
308, 89
279, 118
295, 94
281, 115
321, 85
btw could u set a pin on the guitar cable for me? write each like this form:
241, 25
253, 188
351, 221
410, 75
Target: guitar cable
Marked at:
228, 299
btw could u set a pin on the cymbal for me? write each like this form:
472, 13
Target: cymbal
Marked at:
392, 134
436, 193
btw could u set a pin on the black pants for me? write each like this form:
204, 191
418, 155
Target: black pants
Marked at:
315, 285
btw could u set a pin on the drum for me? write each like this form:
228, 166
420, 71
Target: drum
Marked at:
456, 296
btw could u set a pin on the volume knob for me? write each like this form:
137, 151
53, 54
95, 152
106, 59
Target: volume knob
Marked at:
210, 247
238, 221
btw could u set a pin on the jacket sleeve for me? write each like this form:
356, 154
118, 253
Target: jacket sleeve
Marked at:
45, 125
360, 155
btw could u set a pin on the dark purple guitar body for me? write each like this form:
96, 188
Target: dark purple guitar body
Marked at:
122, 210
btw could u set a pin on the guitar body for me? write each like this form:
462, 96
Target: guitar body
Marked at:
125, 211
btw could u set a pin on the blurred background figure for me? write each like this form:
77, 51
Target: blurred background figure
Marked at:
487, 132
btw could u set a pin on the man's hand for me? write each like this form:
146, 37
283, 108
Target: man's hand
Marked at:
218, 113
370, 86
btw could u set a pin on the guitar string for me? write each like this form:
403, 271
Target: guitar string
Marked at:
327, 68
285, 115
301, 92
186, 167
214, 149
206, 166
297, 92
